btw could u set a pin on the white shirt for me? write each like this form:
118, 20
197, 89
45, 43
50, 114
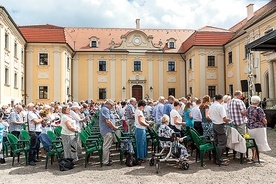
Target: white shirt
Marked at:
148, 111
174, 114
65, 130
217, 113
33, 126
197, 116
137, 124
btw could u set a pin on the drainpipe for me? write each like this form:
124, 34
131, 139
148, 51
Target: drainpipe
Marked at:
25, 75
185, 74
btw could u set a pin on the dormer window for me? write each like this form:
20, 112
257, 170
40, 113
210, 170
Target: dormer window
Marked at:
171, 43
94, 42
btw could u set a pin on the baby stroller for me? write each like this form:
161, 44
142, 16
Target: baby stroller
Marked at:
170, 153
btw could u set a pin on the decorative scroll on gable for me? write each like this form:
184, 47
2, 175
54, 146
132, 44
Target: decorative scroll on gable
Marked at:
135, 40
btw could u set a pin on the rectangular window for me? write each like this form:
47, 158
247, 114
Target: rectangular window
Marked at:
7, 41
15, 49
93, 43
171, 45
15, 80
102, 93
191, 90
231, 89
102, 65
68, 63
230, 58
190, 64
22, 83
67, 91
22, 56
43, 59
43, 92
6, 76
137, 66
212, 91
211, 61
171, 91
171, 66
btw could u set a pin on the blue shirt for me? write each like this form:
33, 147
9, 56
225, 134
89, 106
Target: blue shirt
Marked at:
159, 112
167, 108
105, 114
188, 119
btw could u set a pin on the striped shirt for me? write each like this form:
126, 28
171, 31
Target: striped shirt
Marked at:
235, 108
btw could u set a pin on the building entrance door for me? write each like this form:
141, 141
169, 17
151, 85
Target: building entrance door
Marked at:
137, 92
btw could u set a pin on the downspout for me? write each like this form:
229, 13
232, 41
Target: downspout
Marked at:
25, 75
185, 74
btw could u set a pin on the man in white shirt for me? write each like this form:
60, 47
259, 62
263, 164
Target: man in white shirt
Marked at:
217, 114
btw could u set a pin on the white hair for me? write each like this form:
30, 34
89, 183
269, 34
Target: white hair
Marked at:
255, 99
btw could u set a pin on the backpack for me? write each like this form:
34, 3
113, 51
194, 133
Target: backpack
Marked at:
66, 164
131, 160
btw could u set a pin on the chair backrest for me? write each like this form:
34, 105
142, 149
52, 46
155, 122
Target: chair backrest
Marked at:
51, 135
57, 131
195, 137
46, 142
24, 135
13, 141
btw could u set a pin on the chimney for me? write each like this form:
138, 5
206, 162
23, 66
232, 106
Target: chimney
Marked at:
250, 11
137, 23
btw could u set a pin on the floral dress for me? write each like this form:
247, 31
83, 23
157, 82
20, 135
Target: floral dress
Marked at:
166, 132
207, 125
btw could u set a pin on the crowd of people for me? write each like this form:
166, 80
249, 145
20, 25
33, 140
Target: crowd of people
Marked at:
207, 116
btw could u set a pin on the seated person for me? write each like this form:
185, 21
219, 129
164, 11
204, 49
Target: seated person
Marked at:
166, 132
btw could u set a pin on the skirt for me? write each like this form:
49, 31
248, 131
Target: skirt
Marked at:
141, 143
259, 134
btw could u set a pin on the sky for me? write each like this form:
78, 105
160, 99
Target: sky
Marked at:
153, 14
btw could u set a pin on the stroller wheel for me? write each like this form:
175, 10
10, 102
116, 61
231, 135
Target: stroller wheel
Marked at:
185, 166
157, 165
151, 162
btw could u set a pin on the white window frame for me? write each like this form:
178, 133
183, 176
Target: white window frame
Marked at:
7, 76
15, 80
99, 66
141, 65
47, 92
174, 66
48, 58
99, 93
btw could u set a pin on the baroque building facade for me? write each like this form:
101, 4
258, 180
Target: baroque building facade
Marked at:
77, 64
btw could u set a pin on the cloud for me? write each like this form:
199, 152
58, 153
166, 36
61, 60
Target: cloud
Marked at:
184, 14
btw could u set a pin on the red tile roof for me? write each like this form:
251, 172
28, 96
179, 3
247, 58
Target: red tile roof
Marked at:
78, 38
207, 38
266, 10
43, 33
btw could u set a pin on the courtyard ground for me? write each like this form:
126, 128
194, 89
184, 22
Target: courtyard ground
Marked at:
234, 173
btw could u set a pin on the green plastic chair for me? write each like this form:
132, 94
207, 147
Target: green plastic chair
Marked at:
18, 147
155, 140
57, 131
203, 146
90, 147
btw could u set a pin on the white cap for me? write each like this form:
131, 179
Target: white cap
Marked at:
76, 104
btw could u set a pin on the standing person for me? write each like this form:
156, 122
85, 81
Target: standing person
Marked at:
188, 115
197, 117
130, 114
226, 99
182, 102
256, 126
237, 112
159, 111
107, 128
35, 128
207, 124
3, 128
263, 104
123, 117
140, 132
148, 110
168, 105
69, 134
218, 117
16, 121
176, 119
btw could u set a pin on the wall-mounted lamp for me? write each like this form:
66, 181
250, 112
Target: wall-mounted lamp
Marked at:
151, 88
25, 95
124, 88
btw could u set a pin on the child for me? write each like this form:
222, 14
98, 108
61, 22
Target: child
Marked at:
166, 132
3, 127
